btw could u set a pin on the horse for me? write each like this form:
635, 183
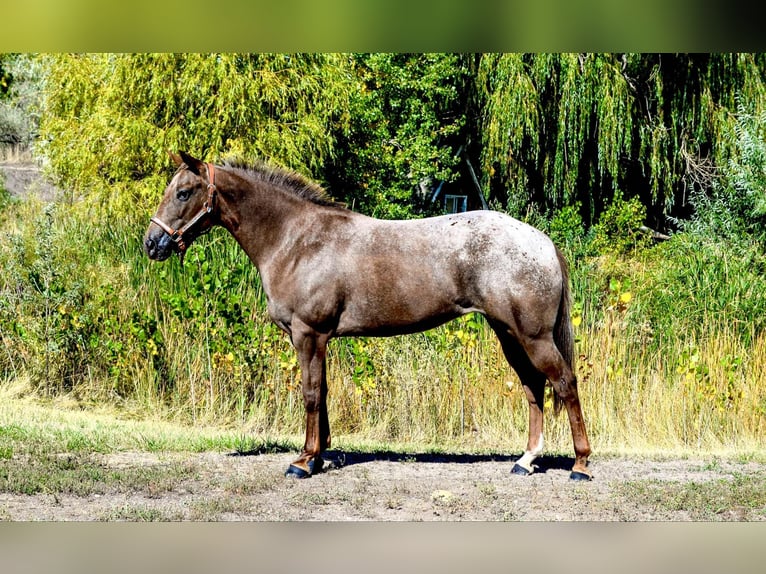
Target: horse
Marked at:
328, 271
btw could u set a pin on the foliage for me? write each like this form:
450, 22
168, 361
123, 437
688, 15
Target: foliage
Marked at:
735, 207
690, 269
548, 130
747, 172
110, 119
562, 128
568, 232
61, 320
619, 228
407, 116
20, 78
6, 77
5, 197
671, 336
194, 343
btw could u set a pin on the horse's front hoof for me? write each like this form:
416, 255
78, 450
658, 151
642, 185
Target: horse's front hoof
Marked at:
580, 476
520, 470
296, 472
314, 466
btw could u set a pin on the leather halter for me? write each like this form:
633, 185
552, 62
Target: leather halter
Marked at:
177, 235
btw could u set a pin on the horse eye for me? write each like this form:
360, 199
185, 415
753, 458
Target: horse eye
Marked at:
183, 194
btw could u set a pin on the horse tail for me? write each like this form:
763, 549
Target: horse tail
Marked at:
563, 332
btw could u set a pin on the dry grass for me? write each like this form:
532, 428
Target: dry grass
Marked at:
16, 154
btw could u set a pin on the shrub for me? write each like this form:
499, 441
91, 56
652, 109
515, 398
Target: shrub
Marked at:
692, 285
619, 228
19, 88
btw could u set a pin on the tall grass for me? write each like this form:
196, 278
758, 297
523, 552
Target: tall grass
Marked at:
671, 344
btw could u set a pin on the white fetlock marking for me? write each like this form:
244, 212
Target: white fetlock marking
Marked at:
529, 456
526, 461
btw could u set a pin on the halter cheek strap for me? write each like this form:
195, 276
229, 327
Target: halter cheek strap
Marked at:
177, 235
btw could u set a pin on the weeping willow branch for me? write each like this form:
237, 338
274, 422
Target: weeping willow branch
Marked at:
563, 129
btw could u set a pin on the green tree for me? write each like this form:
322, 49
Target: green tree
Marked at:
545, 130
558, 129
110, 118
735, 208
407, 122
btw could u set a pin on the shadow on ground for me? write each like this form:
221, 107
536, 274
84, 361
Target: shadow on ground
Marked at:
340, 459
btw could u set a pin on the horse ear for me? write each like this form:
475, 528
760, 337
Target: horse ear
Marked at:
194, 165
176, 158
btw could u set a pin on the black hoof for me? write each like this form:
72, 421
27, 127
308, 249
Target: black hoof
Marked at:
296, 472
580, 476
315, 465
520, 470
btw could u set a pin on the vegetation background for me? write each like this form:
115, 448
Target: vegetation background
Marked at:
596, 149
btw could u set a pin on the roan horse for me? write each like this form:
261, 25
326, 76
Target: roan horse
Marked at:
329, 272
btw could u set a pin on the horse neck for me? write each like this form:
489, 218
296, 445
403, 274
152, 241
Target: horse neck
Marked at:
255, 213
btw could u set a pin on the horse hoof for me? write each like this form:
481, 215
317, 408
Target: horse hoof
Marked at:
520, 470
296, 472
315, 465
580, 476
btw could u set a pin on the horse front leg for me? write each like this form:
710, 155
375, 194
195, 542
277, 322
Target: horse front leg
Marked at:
312, 349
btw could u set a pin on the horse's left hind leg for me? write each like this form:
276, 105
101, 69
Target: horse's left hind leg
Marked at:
546, 357
534, 388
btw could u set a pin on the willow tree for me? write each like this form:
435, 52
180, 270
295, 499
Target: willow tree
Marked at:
567, 128
108, 119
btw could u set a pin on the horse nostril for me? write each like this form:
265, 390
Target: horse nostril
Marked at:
150, 244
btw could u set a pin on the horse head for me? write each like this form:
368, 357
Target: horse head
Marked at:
186, 209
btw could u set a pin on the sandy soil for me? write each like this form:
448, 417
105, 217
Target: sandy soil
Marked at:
361, 487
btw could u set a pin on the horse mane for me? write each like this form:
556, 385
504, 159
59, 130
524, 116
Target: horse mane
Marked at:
285, 179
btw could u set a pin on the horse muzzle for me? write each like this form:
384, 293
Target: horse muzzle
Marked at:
158, 245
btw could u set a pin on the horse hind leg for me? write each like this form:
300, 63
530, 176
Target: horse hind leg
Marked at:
534, 388
547, 359
533, 383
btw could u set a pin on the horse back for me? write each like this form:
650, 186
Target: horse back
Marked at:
393, 277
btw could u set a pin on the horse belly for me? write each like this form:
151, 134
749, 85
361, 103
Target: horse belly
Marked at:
384, 299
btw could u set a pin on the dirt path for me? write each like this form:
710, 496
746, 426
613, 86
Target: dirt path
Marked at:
221, 486
24, 178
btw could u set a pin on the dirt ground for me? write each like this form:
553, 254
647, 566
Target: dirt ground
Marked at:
365, 487
22, 179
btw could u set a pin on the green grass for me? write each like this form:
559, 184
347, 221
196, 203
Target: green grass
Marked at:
214, 508
739, 498
84, 475
140, 513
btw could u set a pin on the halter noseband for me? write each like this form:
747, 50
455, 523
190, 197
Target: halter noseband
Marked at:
177, 235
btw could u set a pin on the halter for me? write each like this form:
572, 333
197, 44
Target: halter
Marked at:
177, 235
